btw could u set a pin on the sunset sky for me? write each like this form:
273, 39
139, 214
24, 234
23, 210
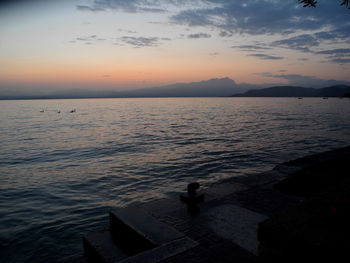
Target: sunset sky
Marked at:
116, 44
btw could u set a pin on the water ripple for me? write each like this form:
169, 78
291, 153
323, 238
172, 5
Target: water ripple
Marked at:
61, 174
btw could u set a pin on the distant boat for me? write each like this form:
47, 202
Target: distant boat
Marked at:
73, 110
42, 110
58, 111
300, 98
325, 98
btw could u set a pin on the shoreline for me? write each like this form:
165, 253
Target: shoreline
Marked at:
228, 226
169, 97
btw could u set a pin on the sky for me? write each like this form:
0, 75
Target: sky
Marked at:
120, 45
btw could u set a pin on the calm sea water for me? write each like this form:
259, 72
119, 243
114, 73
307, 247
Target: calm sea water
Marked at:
60, 173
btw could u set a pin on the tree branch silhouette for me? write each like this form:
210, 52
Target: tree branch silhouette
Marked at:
313, 3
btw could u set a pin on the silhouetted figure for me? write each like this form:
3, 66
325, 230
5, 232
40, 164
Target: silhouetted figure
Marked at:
191, 198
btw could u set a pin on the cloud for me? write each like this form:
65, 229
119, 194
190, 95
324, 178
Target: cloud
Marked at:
134, 6
89, 8
152, 10
199, 35
297, 78
305, 30
265, 57
303, 80
88, 38
302, 43
251, 17
225, 34
257, 48
126, 31
130, 40
340, 60
325, 35
193, 18
309, 43
129, 6
251, 47
141, 41
337, 51
301, 29
337, 55
256, 17
263, 17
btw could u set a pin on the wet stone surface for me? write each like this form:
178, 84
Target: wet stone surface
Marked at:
225, 228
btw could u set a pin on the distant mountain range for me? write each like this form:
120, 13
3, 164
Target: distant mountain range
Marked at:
209, 88
217, 87
292, 91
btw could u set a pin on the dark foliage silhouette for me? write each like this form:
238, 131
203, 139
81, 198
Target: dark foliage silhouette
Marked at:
313, 3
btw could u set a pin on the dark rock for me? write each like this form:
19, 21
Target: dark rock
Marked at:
318, 174
318, 228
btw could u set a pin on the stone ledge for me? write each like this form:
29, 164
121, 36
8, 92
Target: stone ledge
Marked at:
226, 206
317, 229
100, 247
131, 219
162, 252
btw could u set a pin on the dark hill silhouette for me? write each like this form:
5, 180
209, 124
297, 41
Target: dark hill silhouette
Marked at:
334, 91
217, 87
208, 88
292, 91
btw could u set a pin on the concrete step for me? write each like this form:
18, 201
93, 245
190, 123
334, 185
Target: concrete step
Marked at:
162, 252
135, 226
77, 258
100, 247
134, 236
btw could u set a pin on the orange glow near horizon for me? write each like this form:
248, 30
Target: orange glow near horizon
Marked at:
132, 68
147, 70
117, 49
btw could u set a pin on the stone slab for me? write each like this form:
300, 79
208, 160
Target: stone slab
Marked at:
226, 227
163, 206
99, 247
77, 258
222, 190
143, 224
287, 169
162, 252
236, 223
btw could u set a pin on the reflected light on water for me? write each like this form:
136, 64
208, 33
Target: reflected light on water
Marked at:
60, 173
